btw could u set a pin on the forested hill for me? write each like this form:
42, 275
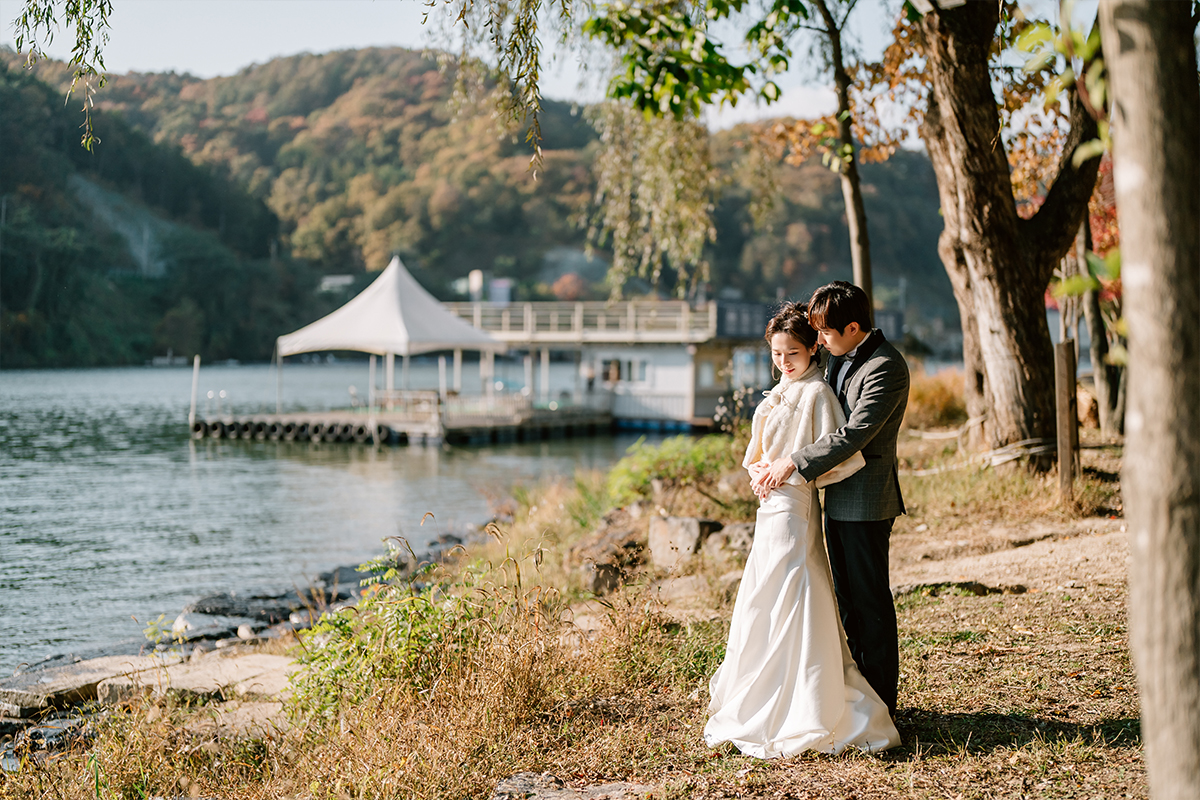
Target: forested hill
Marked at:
114, 256
358, 154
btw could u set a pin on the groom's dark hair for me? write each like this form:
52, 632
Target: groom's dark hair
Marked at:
835, 305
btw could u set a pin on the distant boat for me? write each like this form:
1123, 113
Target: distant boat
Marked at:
169, 360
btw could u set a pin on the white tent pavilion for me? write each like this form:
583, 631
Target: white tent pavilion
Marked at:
393, 316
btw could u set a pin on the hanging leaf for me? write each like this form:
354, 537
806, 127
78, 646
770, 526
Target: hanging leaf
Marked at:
1075, 286
1088, 150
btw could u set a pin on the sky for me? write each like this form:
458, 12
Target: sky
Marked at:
219, 37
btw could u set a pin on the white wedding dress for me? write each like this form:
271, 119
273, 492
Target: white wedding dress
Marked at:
788, 682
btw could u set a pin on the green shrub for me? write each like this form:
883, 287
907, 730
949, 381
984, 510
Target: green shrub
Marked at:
679, 461
396, 635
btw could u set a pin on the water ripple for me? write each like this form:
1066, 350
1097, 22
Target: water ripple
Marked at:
111, 515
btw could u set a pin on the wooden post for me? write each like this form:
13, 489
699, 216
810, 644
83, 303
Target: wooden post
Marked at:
196, 385
371, 402
578, 396
1068, 417
544, 376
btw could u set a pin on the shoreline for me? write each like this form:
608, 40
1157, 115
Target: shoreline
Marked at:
249, 615
1013, 653
147, 522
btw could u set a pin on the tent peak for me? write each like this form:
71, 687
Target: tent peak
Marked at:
394, 314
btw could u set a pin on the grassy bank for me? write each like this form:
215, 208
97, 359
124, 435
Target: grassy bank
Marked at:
453, 676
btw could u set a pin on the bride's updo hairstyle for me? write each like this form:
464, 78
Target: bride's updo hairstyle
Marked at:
792, 319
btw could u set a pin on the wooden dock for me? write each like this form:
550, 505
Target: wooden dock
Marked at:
420, 417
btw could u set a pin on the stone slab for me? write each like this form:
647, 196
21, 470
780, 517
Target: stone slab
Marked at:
675, 540
59, 687
685, 590
544, 786
11, 726
192, 626
267, 609
728, 547
215, 675
241, 720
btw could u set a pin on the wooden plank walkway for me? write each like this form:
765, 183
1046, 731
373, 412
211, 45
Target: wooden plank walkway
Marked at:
416, 418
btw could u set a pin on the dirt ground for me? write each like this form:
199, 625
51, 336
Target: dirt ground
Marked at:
1036, 557
1016, 679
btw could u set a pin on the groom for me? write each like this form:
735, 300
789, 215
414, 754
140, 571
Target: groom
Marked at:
870, 378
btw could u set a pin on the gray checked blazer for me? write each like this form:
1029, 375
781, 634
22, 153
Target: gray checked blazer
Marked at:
874, 396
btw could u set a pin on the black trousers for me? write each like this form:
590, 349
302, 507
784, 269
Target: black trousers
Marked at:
858, 557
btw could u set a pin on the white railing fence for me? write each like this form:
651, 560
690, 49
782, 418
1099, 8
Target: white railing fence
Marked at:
428, 405
663, 320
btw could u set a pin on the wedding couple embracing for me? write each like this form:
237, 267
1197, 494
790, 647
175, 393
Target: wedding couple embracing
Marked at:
812, 660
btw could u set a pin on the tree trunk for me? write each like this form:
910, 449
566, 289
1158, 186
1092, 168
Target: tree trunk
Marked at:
856, 212
974, 381
998, 263
1119, 404
1155, 119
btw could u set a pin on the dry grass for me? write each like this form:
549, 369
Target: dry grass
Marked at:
1011, 696
935, 401
490, 686
1021, 696
1010, 494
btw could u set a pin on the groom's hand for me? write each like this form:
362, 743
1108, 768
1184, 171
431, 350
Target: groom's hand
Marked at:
779, 471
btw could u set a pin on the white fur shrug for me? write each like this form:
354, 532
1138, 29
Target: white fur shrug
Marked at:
794, 414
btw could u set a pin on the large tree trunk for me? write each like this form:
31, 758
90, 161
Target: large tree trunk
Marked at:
974, 383
1155, 118
998, 263
856, 212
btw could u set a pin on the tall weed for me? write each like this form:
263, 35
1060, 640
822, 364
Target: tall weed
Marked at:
477, 678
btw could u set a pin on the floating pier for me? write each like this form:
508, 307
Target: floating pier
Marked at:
418, 417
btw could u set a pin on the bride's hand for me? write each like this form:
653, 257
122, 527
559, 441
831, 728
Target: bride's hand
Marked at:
758, 474
774, 475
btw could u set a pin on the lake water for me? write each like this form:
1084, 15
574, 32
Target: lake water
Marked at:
111, 515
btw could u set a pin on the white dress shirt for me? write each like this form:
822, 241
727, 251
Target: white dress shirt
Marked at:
847, 359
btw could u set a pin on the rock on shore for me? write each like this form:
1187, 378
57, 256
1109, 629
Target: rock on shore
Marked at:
244, 688
544, 786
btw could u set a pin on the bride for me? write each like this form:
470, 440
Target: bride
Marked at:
788, 682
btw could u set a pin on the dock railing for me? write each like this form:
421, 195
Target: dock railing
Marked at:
473, 409
419, 404
592, 321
